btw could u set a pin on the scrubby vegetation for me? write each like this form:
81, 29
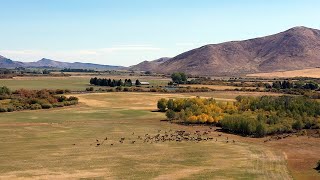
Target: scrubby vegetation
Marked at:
23, 99
254, 116
113, 83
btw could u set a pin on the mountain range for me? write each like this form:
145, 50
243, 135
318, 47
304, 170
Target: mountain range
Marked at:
296, 48
293, 49
48, 63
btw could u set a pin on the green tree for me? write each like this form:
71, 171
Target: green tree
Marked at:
261, 130
162, 105
5, 90
179, 78
171, 104
298, 125
138, 82
170, 114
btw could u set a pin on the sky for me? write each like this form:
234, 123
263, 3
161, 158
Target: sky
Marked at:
126, 32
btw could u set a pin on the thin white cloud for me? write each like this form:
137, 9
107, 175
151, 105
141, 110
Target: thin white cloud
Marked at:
75, 53
119, 54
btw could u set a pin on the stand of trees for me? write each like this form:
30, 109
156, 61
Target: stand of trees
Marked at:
23, 99
295, 85
113, 83
77, 70
253, 116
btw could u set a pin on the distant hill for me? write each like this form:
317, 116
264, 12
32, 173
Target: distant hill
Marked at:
148, 65
296, 48
7, 63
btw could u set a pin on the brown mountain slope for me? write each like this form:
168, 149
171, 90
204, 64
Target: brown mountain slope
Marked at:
148, 65
296, 48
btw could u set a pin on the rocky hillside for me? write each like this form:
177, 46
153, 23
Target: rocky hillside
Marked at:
148, 65
296, 48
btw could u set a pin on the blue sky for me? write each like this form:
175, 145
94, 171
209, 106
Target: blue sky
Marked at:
125, 32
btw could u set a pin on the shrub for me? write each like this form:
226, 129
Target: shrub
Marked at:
3, 109
73, 98
46, 106
89, 89
118, 88
35, 106
5, 90
59, 91
61, 98
298, 125
60, 104
11, 108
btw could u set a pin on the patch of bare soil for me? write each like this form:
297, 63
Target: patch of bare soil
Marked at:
23, 124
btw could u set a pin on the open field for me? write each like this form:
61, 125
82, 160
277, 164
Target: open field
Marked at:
74, 83
61, 144
217, 87
313, 73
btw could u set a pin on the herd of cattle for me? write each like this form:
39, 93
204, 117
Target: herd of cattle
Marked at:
166, 136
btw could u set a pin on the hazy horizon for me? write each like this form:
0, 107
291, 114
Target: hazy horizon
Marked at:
126, 33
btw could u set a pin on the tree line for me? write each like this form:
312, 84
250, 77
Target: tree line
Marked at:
294, 85
113, 83
253, 116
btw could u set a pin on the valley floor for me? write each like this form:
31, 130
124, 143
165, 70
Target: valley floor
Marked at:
62, 144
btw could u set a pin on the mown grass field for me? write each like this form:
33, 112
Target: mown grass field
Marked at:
61, 144
74, 83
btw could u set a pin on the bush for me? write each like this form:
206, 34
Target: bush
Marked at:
73, 98
3, 109
298, 125
89, 89
11, 108
46, 106
35, 106
59, 91
60, 104
61, 98
5, 90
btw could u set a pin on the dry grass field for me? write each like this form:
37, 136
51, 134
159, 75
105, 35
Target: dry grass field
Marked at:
74, 83
313, 73
217, 87
62, 144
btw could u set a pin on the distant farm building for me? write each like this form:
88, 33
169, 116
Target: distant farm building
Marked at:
141, 83
144, 83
